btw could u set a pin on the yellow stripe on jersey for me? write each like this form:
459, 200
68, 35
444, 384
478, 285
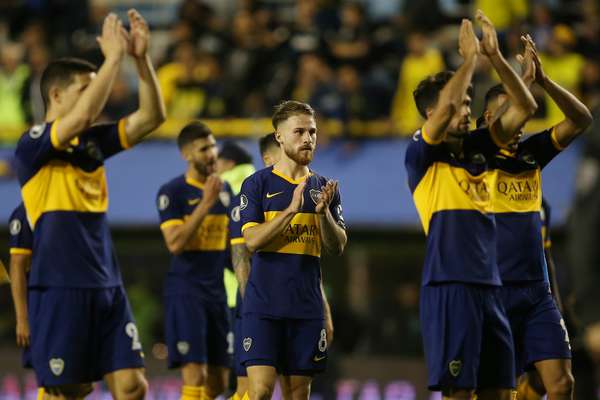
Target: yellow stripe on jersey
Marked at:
211, 235
428, 139
555, 142
122, 134
290, 180
54, 138
171, 222
301, 236
445, 187
249, 225
18, 250
237, 241
59, 186
517, 193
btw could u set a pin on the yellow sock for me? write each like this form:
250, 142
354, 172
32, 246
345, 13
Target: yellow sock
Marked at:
526, 392
40, 394
235, 397
246, 396
193, 393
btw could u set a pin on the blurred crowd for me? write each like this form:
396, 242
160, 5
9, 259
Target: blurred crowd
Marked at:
352, 60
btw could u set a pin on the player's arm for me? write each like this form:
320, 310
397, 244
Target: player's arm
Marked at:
19, 264
333, 236
328, 316
151, 112
240, 259
452, 95
178, 235
259, 235
113, 44
577, 116
509, 121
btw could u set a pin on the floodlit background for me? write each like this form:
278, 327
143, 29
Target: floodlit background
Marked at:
228, 62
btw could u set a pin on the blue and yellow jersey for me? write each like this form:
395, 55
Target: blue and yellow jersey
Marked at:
198, 270
236, 238
286, 274
21, 237
517, 203
452, 197
65, 195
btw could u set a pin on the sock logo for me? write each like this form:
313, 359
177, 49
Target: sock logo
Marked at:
57, 366
454, 367
247, 344
183, 347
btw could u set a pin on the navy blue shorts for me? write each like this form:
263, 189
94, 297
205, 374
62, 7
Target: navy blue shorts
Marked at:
238, 368
466, 336
196, 331
292, 346
539, 330
79, 335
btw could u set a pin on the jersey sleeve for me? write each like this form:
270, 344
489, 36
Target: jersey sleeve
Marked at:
170, 211
235, 222
111, 138
21, 236
336, 209
543, 146
34, 150
251, 208
420, 155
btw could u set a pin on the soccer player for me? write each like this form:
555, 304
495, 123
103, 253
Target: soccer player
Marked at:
450, 181
82, 328
193, 215
288, 214
540, 335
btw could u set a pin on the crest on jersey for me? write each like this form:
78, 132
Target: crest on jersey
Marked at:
163, 202
235, 214
15, 227
37, 131
225, 198
454, 367
183, 347
247, 342
315, 195
57, 366
243, 202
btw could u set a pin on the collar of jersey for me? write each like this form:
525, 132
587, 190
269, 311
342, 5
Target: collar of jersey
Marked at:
287, 178
193, 182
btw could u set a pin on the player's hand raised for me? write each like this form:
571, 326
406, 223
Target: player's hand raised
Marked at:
468, 45
528, 68
22, 331
114, 39
327, 193
212, 188
489, 40
297, 198
540, 75
139, 34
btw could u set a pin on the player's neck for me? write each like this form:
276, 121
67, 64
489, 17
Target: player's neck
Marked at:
52, 115
290, 168
193, 174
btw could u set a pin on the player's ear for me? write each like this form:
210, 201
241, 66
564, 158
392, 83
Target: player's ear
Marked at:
487, 115
278, 136
429, 111
54, 95
185, 153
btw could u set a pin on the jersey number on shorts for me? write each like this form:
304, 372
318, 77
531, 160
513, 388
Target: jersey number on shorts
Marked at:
132, 332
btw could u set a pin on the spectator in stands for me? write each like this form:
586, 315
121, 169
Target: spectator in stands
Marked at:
422, 60
542, 25
503, 15
305, 35
31, 97
350, 44
13, 74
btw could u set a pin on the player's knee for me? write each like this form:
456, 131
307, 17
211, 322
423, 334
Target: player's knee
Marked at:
134, 388
75, 391
300, 392
216, 387
194, 374
261, 391
562, 385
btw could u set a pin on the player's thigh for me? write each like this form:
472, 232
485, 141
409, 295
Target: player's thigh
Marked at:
261, 381
545, 336
300, 387
127, 384
497, 358
217, 378
186, 330
120, 345
63, 341
262, 341
305, 347
241, 385
452, 339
